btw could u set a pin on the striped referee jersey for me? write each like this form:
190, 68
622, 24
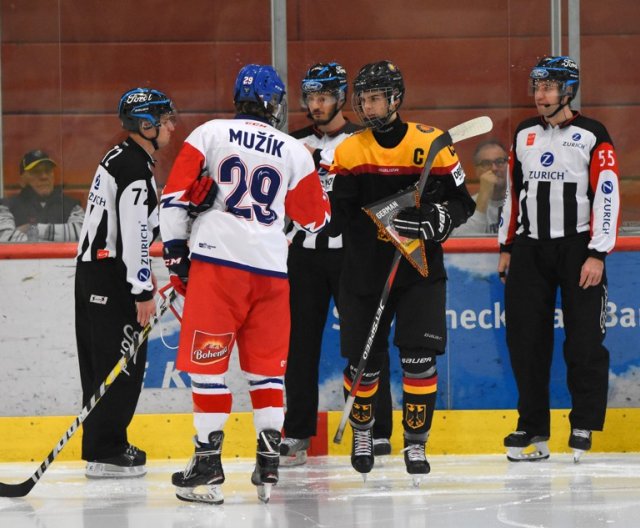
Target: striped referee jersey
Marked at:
327, 144
563, 180
121, 219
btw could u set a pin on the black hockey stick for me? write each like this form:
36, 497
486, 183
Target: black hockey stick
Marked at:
466, 130
22, 489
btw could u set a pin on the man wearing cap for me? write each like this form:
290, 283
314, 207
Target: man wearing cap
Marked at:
40, 211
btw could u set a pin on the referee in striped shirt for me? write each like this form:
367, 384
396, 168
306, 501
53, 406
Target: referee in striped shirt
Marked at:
559, 222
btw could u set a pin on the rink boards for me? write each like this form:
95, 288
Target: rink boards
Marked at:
40, 382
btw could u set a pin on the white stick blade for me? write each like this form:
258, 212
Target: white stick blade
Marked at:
473, 127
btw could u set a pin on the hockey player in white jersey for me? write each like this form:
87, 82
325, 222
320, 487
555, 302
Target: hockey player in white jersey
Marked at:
234, 261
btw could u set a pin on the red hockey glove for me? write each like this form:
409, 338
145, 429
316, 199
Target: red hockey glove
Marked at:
202, 195
176, 259
429, 222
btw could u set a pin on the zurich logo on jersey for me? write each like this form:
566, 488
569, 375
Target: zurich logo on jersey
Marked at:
576, 136
97, 182
547, 159
144, 274
607, 187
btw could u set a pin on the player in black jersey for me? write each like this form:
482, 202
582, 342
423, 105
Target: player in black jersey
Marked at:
114, 286
386, 157
559, 222
314, 264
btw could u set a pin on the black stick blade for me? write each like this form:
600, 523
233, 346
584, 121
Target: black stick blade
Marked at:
16, 490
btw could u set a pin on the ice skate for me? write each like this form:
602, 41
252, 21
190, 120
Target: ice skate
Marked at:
415, 460
202, 479
579, 441
293, 451
129, 464
265, 474
362, 457
381, 447
518, 442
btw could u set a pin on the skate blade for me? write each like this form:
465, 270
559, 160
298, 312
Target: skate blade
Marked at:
211, 494
264, 492
535, 453
299, 459
416, 480
577, 454
99, 470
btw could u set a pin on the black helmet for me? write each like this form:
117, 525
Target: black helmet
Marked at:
562, 69
326, 77
143, 104
384, 76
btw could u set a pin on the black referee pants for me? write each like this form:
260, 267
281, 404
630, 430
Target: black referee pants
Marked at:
105, 326
314, 277
535, 273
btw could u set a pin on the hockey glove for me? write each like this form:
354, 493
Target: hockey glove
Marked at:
176, 259
202, 195
429, 222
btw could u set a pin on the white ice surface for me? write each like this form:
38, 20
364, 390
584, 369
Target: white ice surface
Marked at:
603, 490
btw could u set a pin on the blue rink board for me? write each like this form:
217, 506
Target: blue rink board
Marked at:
475, 372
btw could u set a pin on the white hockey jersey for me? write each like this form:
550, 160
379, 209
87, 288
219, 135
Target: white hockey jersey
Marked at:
262, 174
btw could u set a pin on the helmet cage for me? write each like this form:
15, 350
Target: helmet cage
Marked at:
383, 76
392, 96
144, 104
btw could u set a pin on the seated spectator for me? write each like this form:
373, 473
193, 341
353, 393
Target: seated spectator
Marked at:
490, 160
40, 211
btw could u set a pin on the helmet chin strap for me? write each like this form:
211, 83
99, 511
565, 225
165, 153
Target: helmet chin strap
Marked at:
555, 112
153, 140
560, 107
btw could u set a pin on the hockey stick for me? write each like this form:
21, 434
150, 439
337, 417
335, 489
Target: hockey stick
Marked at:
466, 130
22, 489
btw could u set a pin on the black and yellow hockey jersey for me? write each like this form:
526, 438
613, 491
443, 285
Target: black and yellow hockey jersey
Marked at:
366, 172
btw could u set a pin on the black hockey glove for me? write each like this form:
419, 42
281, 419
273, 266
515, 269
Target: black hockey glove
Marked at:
429, 222
202, 195
176, 259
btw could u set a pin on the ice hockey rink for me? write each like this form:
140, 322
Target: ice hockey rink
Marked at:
603, 490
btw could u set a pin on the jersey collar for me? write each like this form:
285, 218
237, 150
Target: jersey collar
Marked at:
252, 118
320, 134
565, 123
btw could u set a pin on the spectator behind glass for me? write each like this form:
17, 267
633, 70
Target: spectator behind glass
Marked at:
40, 211
490, 160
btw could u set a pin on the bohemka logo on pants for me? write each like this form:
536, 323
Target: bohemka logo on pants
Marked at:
98, 299
210, 348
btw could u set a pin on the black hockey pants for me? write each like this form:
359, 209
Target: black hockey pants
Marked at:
314, 276
105, 325
535, 273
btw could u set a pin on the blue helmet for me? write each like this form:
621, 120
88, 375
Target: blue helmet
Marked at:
143, 104
259, 84
561, 69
